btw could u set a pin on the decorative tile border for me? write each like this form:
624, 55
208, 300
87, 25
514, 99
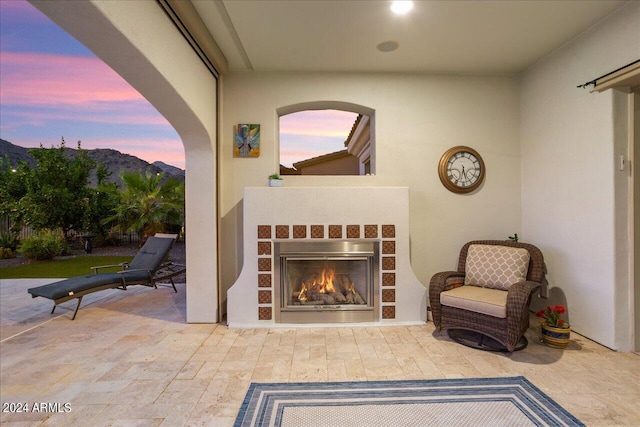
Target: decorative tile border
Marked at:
388, 279
388, 247
388, 263
353, 231
282, 231
299, 231
335, 231
264, 313
317, 231
264, 264
264, 232
264, 248
265, 270
264, 280
389, 312
264, 297
370, 231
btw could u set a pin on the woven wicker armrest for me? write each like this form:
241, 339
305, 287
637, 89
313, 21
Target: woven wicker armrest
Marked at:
519, 296
437, 285
441, 282
518, 299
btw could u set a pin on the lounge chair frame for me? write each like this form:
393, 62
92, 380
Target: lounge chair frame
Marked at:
117, 280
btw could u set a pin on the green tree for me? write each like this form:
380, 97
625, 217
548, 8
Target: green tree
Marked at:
103, 201
149, 204
13, 188
57, 190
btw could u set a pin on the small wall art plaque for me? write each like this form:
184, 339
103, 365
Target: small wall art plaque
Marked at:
246, 140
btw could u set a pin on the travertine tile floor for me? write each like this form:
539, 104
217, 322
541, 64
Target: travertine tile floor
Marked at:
129, 359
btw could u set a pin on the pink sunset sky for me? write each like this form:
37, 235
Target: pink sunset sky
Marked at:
52, 87
310, 134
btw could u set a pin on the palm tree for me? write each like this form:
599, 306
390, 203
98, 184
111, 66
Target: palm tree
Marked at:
148, 205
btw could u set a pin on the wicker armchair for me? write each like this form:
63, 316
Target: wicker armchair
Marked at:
506, 327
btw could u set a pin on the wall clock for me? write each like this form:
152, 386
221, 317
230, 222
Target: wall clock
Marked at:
461, 169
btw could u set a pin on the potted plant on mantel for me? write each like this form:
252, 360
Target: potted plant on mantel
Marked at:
555, 331
275, 180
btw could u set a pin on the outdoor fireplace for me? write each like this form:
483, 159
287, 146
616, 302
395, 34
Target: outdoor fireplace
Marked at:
363, 228
326, 281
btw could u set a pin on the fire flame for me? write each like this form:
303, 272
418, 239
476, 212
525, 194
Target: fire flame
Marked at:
303, 293
323, 284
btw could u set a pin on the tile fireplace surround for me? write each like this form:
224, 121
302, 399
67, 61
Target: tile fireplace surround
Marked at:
320, 213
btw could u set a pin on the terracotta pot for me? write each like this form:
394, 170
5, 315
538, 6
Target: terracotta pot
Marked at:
555, 337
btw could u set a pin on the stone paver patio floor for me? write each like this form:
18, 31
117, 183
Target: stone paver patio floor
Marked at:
130, 359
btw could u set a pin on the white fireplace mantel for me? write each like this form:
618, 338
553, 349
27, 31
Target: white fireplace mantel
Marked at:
377, 213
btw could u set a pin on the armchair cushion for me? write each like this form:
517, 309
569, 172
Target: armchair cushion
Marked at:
496, 267
492, 302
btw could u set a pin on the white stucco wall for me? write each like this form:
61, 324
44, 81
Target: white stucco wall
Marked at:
570, 146
140, 43
417, 118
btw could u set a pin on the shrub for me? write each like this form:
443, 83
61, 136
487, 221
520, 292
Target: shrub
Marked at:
9, 241
6, 253
44, 245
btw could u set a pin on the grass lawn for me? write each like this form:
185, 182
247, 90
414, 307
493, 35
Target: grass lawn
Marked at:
69, 267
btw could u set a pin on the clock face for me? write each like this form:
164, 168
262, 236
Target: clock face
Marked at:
461, 169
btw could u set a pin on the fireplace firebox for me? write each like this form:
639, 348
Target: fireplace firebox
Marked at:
326, 282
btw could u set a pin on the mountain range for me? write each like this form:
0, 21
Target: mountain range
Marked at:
115, 161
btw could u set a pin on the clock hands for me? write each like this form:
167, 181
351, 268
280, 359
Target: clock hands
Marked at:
463, 175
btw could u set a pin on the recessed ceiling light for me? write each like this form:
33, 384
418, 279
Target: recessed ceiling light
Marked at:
388, 46
401, 7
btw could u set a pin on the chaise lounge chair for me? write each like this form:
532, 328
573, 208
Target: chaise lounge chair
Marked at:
146, 268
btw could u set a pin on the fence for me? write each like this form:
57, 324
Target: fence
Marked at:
5, 227
26, 231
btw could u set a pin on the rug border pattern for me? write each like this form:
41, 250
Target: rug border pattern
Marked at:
264, 403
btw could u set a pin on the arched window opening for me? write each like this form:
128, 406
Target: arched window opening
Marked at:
326, 141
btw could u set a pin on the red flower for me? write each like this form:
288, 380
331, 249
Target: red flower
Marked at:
552, 316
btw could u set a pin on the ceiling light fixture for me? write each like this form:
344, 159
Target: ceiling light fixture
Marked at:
388, 46
400, 7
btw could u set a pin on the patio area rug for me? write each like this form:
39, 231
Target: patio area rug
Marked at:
509, 401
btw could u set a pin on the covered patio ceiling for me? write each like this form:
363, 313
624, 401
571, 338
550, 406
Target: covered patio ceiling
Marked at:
435, 37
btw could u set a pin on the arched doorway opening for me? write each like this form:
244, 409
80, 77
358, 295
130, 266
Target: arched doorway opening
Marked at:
127, 36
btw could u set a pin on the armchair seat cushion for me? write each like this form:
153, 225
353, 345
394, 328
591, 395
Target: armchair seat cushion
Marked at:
492, 302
